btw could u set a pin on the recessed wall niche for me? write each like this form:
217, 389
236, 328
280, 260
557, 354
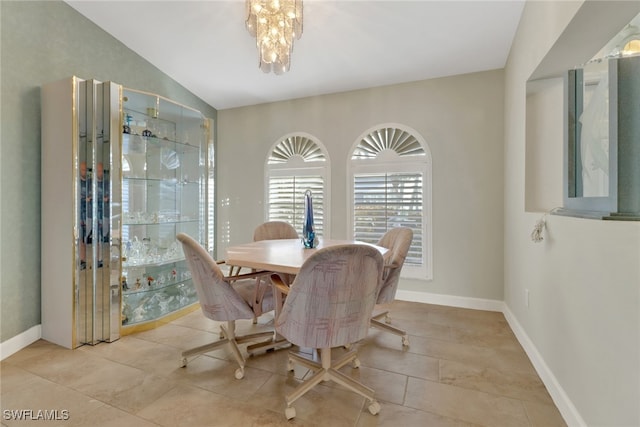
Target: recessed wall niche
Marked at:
593, 30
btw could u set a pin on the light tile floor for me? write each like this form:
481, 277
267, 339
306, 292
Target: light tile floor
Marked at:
462, 368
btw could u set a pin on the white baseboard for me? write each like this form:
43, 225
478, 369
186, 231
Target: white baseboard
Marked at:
451, 300
565, 406
20, 341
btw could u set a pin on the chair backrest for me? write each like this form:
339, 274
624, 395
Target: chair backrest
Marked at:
332, 297
397, 241
271, 230
218, 300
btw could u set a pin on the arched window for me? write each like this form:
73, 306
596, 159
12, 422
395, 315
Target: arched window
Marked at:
296, 163
390, 186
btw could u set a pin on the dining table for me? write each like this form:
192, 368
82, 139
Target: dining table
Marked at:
284, 256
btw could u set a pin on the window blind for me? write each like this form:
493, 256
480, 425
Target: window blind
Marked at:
286, 200
386, 200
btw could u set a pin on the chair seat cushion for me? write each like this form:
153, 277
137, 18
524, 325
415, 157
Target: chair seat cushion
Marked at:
247, 290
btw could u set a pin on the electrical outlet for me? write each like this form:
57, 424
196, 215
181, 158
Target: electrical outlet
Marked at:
526, 298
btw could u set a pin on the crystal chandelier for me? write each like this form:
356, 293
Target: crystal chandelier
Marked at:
274, 24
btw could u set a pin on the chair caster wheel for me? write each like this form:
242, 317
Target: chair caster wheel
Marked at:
405, 341
290, 412
356, 363
239, 373
183, 362
290, 367
374, 408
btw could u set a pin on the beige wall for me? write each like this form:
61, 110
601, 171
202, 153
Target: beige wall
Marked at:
461, 120
45, 41
583, 320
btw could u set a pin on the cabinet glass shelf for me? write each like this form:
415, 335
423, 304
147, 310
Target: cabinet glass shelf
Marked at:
147, 306
156, 219
144, 278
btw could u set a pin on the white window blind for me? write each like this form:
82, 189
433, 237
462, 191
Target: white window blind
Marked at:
286, 200
386, 200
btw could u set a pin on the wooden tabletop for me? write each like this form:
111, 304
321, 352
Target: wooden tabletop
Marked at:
282, 255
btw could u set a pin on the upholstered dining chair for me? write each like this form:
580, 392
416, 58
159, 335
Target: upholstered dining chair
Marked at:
329, 305
397, 240
274, 230
224, 299
271, 230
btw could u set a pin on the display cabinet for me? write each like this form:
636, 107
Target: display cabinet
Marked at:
163, 153
123, 171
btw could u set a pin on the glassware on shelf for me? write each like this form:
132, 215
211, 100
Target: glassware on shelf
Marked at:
169, 159
146, 252
126, 127
136, 218
143, 307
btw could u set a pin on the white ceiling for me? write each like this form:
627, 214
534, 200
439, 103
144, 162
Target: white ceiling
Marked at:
345, 45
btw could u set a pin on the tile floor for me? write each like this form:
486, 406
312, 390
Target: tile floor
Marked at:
462, 368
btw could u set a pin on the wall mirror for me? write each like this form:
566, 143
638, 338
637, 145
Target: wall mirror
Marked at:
601, 131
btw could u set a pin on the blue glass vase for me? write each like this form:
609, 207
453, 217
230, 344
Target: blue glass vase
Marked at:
308, 232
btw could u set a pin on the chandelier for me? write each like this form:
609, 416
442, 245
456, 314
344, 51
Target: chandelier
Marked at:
274, 24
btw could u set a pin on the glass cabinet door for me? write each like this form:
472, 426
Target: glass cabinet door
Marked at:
163, 189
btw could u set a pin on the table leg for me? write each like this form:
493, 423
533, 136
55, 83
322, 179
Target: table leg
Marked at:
278, 342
